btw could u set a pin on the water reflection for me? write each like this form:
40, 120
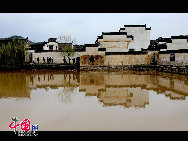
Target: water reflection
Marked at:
131, 90
127, 89
13, 84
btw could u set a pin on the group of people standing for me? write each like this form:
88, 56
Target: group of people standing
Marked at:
48, 59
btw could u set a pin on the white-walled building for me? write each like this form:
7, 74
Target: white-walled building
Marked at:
136, 37
131, 45
115, 41
174, 43
52, 44
141, 36
51, 49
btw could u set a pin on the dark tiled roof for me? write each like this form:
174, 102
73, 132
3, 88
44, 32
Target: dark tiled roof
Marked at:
122, 28
38, 47
91, 45
174, 51
114, 33
101, 49
135, 25
52, 39
79, 48
130, 36
161, 46
179, 37
154, 44
100, 37
39, 43
148, 28
167, 40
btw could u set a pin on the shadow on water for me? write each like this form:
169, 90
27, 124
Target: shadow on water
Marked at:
126, 88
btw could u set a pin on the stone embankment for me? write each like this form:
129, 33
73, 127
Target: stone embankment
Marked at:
183, 70
165, 68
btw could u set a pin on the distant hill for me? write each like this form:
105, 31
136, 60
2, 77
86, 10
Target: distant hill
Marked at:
12, 37
17, 37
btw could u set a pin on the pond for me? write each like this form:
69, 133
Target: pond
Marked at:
94, 100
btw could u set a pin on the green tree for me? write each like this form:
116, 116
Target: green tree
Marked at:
12, 54
68, 49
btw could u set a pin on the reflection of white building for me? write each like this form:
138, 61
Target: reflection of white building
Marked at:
174, 89
129, 90
114, 89
126, 96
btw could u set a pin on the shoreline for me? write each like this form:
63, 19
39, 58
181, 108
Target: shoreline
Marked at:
180, 70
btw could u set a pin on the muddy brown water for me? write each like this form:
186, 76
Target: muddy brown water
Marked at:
94, 101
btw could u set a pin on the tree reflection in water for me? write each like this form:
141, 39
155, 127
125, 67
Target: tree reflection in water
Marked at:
66, 94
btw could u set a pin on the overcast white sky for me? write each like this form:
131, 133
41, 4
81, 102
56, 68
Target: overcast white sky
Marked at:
85, 27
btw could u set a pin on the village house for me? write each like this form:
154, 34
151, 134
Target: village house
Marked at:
52, 49
131, 37
51, 45
130, 46
114, 49
170, 51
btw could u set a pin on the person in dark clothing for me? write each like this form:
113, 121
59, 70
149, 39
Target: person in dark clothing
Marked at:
69, 60
52, 60
38, 60
43, 59
64, 60
49, 60
73, 60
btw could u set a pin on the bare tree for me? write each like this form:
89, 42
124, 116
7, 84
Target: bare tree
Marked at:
65, 38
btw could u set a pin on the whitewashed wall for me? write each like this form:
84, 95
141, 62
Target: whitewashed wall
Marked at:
46, 46
57, 57
141, 37
181, 59
177, 44
115, 43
